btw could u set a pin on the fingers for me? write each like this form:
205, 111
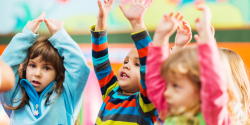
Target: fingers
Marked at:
149, 3
197, 38
46, 21
206, 10
42, 16
105, 1
111, 2
186, 25
179, 16
179, 27
101, 8
212, 29
142, 1
122, 8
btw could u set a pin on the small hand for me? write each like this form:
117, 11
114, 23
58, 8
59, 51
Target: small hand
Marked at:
197, 38
34, 24
183, 35
136, 12
203, 25
103, 14
53, 25
166, 28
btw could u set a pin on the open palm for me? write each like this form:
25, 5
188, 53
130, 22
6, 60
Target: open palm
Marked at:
104, 10
136, 10
184, 34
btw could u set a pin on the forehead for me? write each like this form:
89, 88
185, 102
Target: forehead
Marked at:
133, 53
39, 60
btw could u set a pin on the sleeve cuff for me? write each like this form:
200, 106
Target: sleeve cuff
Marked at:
98, 34
29, 33
92, 28
138, 32
57, 35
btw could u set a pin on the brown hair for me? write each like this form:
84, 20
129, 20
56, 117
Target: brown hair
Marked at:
42, 47
185, 62
240, 79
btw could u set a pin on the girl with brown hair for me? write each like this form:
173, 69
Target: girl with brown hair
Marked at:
53, 76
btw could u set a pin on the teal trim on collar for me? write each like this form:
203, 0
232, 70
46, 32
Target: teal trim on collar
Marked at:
33, 95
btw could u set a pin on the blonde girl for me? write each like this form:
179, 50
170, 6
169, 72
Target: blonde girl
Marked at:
197, 89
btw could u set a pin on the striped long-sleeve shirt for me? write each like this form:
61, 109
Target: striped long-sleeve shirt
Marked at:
118, 108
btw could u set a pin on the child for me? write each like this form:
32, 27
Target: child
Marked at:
54, 75
125, 98
241, 79
7, 78
196, 91
182, 38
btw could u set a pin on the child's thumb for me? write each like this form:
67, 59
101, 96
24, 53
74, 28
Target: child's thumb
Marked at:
197, 38
122, 8
46, 22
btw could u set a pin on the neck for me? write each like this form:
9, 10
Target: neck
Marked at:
127, 93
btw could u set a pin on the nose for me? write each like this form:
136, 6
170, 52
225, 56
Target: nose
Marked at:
167, 93
38, 73
126, 66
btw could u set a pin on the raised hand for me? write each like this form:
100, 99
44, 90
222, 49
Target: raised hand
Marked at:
167, 26
34, 24
197, 38
183, 35
203, 25
103, 14
53, 25
136, 12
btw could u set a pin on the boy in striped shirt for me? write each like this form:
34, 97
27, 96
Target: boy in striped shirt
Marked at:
125, 100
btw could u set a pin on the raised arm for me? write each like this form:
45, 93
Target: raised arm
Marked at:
214, 96
157, 54
141, 38
106, 77
16, 53
76, 68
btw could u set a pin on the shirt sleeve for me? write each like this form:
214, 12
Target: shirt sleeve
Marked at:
14, 54
76, 70
154, 82
214, 96
141, 40
106, 78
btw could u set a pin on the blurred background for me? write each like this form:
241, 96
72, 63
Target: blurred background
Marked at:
231, 20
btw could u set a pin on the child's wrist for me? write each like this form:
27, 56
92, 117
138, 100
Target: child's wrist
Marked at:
137, 25
159, 41
101, 25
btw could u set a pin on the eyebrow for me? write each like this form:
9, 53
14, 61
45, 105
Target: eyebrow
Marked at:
43, 64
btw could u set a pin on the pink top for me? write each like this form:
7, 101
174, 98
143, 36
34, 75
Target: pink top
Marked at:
214, 94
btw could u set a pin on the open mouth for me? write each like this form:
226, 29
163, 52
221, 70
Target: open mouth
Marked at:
124, 75
35, 83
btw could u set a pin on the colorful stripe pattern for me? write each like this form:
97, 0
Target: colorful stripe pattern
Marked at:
118, 108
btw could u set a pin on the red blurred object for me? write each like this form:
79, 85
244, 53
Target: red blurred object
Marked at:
62, 1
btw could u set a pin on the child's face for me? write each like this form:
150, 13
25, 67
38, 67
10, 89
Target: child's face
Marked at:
181, 94
40, 74
129, 74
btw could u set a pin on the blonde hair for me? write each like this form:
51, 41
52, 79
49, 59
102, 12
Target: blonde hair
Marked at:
185, 62
240, 77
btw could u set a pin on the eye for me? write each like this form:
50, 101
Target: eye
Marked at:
176, 86
125, 62
137, 64
32, 65
46, 68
